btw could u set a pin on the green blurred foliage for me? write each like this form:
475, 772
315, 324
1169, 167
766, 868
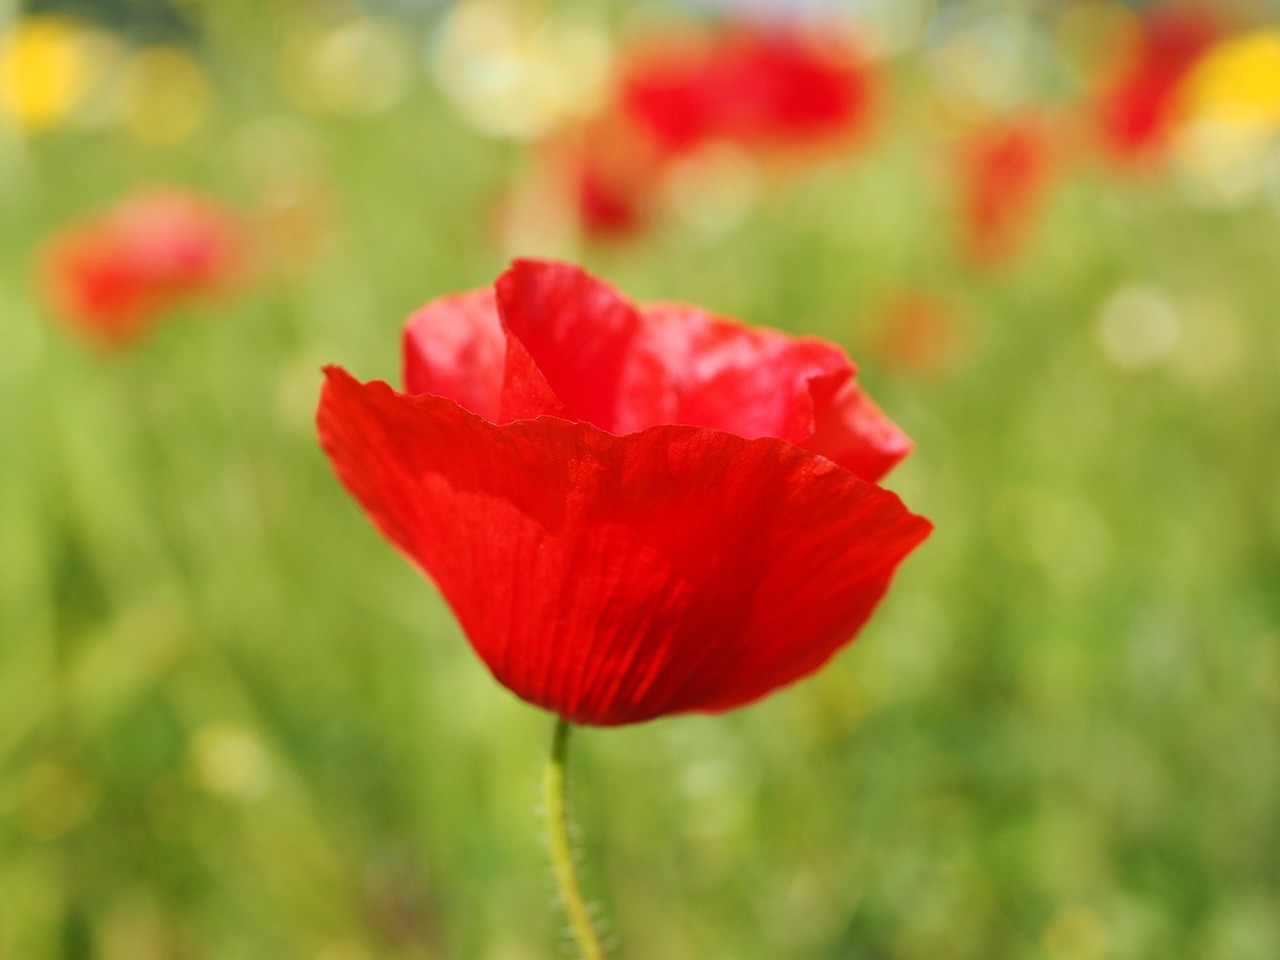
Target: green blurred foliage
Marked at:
235, 724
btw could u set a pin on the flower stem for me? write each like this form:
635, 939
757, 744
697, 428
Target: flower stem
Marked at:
575, 907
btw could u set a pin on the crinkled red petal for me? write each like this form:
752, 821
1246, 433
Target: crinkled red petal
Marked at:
625, 369
617, 579
576, 348
690, 366
577, 331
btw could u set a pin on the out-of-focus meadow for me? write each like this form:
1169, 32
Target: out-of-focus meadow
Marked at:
235, 724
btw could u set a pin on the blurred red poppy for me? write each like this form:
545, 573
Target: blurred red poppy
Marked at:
633, 510
768, 90
1004, 171
1137, 110
759, 88
112, 276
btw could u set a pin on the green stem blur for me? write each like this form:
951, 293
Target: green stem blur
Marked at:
567, 885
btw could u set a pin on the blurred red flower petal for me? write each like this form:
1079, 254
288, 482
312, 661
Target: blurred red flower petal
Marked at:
769, 90
1136, 112
613, 577
112, 276
755, 87
1004, 172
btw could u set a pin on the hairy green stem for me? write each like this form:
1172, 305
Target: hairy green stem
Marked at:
575, 907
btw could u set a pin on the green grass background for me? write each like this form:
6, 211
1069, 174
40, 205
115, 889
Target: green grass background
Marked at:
235, 725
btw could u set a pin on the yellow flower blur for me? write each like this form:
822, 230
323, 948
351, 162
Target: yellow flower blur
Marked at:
1239, 81
1232, 118
43, 70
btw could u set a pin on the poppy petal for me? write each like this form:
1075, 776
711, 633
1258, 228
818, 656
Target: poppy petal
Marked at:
856, 434
710, 371
625, 368
577, 331
616, 579
455, 347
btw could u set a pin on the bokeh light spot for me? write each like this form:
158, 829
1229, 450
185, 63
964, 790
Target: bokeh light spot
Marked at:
982, 61
1075, 933
230, 761
358, 68
1212, 344
890, 27
165, 96
135, 929
715, 189
1222, 162
512, 74
1063, 534
1138, 328
343, 950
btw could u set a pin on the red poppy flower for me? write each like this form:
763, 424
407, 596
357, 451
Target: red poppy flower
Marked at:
1137, 111
113, 276
755, 87
633, 510
1004, 171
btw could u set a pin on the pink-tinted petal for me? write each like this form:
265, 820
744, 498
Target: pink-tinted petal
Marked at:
616, 579
856, 434
576, 330
690, 366
182, 241
624, 368
455, 347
